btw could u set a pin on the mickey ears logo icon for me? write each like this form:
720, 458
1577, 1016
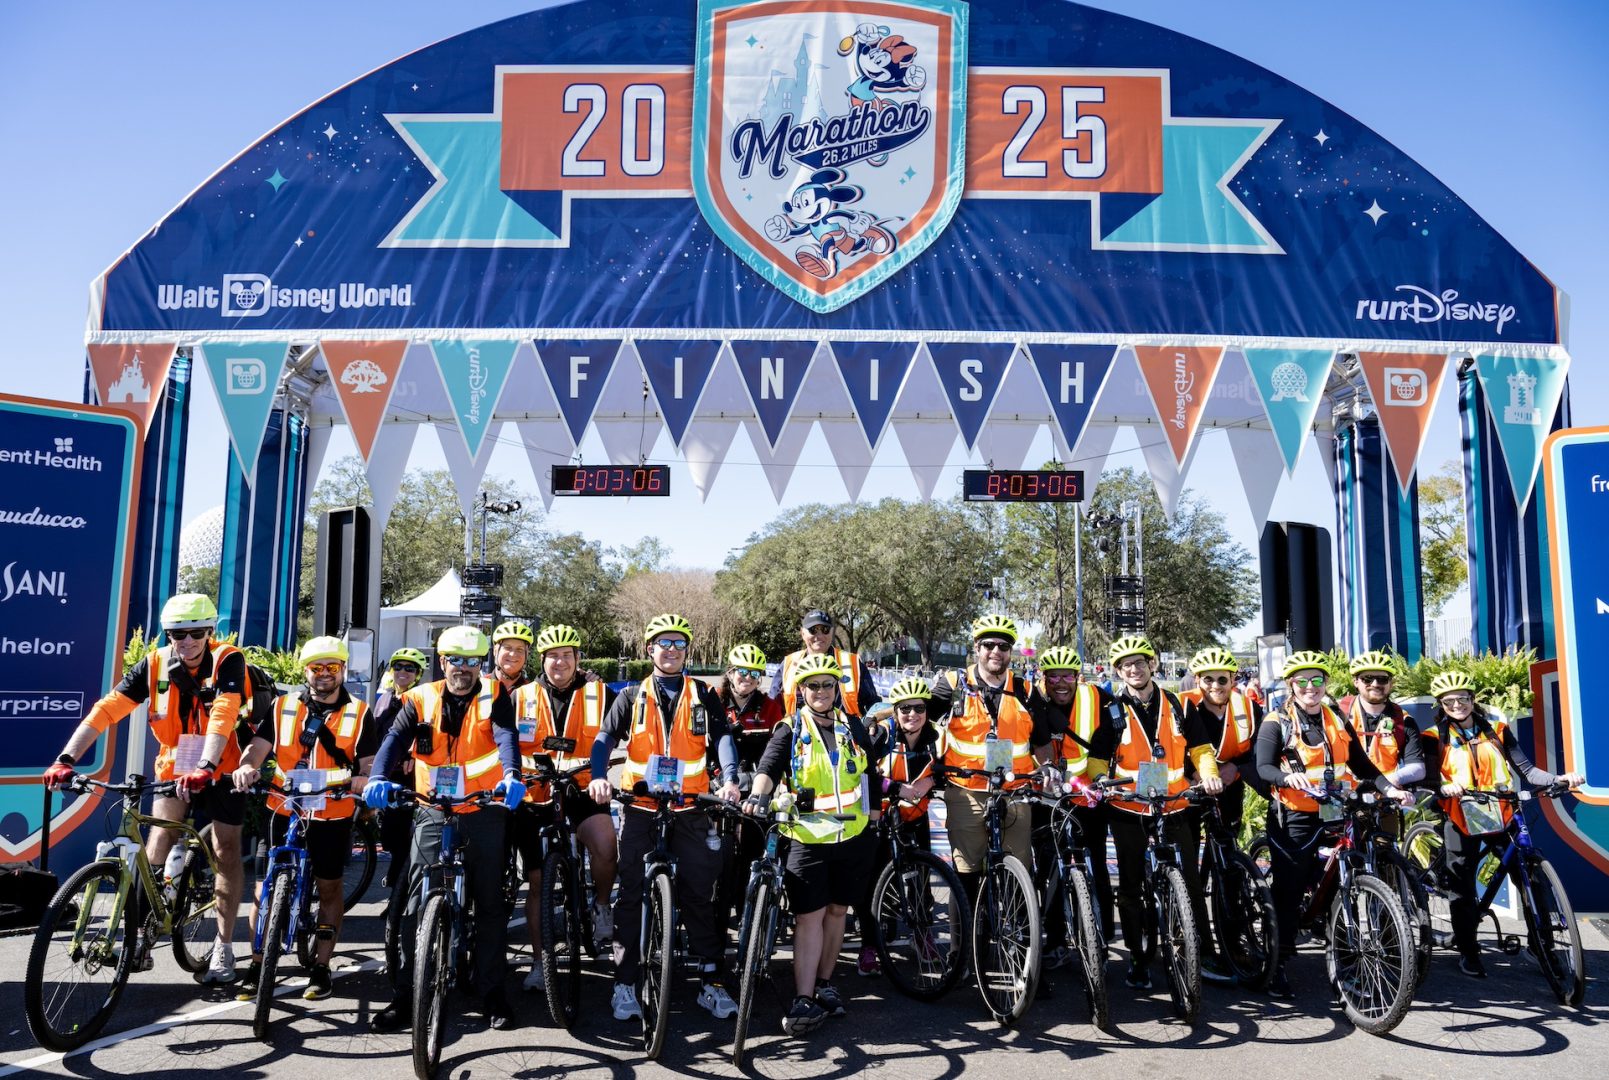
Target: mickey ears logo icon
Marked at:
1405, 386
64, 446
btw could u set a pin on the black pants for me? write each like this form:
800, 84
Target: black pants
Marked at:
697, 871
480, 838
1294, 853
1129, 837
1463, 858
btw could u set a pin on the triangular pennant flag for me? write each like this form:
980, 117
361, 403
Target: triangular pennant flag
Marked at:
1291, 385
547, 443
1179, 379
1072, 376
1404, 386
970, 374
778, 462
245, 377
1166, 474
318, 446
385, 467
873, 373
467, 472
849, 450
1090, 458
773, 372
364, 375
1522, 394
678, 372
474, 372
578, 372
709, 437
132, 377
1259, 476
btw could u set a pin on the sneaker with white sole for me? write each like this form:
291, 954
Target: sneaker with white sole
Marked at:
625, 1004
534, 980
804, 1015
828, 997
221, 968
603, 925
715, 998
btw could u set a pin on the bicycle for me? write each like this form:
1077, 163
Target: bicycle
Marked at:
365, 857
1553, 936
565, 903
1369, 947
104, 919
1169, 919
1243, 925
763, 905
1072, 877
286, 897
1006, 940
921, 920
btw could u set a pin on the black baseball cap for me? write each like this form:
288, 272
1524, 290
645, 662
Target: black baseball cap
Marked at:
815, 618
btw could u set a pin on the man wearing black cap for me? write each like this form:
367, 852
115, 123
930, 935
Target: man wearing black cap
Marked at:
858, 694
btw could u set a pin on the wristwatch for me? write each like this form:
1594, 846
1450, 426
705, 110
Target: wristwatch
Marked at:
206, 766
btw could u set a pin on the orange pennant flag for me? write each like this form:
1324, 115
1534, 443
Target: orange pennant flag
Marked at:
364, 374
132, 377
1179, 380
1404, 387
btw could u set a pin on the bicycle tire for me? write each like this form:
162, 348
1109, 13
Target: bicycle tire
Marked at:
195, 909
432, 979
79, 903
1372, 972
1261, 852
654, 970
1006, 940
1181, 950
756, 959
1563, 964
361, 863
921, 934
279, 913
1393, 868
561, 925
1078, 901
1244, 921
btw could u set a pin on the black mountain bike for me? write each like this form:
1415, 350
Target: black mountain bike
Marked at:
1072, 885
921, 921
763, 905
566, 903
1244, 926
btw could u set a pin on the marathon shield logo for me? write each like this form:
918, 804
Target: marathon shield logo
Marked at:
829, 179
47, 704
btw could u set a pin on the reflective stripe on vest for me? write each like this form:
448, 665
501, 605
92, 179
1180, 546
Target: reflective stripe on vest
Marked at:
896, 765
648, 739
1382, 747
1083, 714
163, 711
475, 747
1135, 750
1335, 747
838, 790
964, 742
582, 723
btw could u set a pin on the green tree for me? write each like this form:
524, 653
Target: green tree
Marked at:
570, 582
1441, 535
645, 556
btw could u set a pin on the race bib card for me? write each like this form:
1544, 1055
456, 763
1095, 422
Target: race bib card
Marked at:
1481, 817
1329, 811
447, 780
304, 782
527, 728
996, 754
187, 755
1152, 777
665, 774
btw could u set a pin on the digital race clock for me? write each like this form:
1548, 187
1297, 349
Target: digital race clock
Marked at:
611, 480
1042, 486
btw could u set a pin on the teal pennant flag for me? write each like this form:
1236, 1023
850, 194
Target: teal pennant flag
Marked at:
245, 377
474, 373
1522, 394
1291, 384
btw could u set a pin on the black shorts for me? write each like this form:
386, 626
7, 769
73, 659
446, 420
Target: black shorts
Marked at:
220, 802
580, 809
822, 874
525, 831
329, 844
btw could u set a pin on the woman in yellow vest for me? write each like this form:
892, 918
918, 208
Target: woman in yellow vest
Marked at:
1473, 748
1295, 749
824, 750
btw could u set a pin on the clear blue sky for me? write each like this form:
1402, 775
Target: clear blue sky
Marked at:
111, 113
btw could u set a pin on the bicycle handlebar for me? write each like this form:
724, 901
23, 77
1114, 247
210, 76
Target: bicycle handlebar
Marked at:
449, 803
134, 785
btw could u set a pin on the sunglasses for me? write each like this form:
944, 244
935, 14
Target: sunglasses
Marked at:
1132, 662
993, 646
472, 662
1457, 699
333, 668
1061, 676
821, 686
198, 634
1313, 681
818, 631
745, 673
406, 668
671, 643
909, 710
1213, 680
1375, 680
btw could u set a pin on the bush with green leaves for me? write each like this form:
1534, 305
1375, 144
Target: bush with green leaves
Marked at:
1500, 681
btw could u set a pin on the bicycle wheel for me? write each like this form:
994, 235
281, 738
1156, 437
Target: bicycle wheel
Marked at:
1078, 901
561, 938
658, 951
1244, 922
920, 925
1181, 953
1422, 847
760, 934
1261, 853
1393, 868
1005, 940
432, 977
1556, 939
80, 958
306, 943
1370, 954
195, 909
361, 863
279, 914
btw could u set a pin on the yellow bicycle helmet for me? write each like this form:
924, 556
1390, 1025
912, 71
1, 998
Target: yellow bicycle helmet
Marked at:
994, 624
910, 688
462, 641
1302, 661
817, 664
557, 636
186, 611
746, 656
667, 624
1060, 658
1373, 660
513, 629
1213, 658
1130, 645
408, 656
1449, 681
324, 648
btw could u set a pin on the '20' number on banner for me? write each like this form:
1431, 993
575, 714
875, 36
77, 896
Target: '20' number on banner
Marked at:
635, 159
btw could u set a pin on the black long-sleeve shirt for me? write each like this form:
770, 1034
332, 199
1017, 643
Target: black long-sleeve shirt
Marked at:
405, 728
721, 748
1518, 759
1270, 749
923, 756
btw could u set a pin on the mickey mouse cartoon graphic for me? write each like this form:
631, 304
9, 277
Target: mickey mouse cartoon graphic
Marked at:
883, 64
817, 207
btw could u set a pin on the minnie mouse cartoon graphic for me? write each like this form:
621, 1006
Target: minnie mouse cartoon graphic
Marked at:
816, 207
883, 64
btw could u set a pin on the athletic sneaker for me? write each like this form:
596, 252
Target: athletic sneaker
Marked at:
803, 1015
1279, 987
715, 998
828, 997
625, 1003
221, 968
1059, 957
868, 964
603, 925
248, 982
534, 981
142, 960
318, 984
1138, 977
1470, 964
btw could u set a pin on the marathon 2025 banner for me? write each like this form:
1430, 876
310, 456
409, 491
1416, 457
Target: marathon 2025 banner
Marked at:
69, 475
626, 166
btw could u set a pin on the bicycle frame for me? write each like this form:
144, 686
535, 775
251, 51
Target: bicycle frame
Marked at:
288, 858
132, 854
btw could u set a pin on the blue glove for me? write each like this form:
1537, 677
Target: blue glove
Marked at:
380, 794
512, 792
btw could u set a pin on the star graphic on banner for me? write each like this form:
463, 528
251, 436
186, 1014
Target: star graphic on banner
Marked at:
1321, 138
276, 181
415, 86
298, 241
910, 173
330, 132
1374, 212
752, 41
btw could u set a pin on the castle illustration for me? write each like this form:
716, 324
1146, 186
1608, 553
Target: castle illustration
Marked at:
130, 386
799, 94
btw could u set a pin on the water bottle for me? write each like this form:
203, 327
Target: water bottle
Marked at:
171, 871
713, 840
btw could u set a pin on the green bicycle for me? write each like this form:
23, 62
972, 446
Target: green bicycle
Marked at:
104, 920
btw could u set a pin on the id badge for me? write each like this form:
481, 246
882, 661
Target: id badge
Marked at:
187, 755
447, 780
1152, 778
527, 728
302, 782
996, 753
1329, 811
1481, 817
665, 774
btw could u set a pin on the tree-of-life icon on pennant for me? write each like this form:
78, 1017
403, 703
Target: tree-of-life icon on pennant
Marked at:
828, 136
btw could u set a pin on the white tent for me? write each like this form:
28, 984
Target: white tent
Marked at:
416, 622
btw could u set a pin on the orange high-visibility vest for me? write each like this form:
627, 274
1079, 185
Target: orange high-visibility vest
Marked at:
289, 752
965, 736
1134, 750
1332, 753
474, 749
648, 738
532, 706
